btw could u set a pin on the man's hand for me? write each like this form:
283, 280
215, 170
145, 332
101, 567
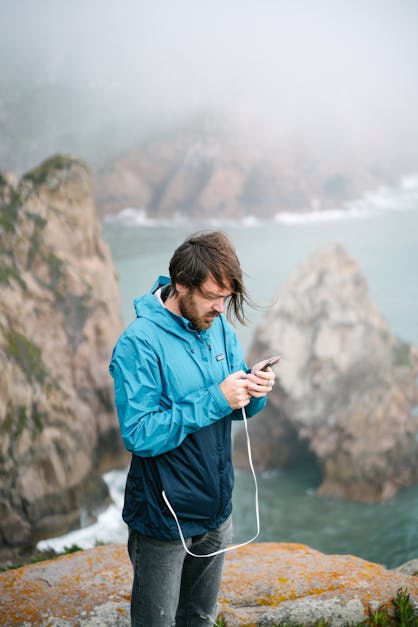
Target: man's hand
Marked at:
234, 388
239, 387
260, 382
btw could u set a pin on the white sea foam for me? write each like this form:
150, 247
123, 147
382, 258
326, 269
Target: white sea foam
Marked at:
132, 216
329, 215
109, 526
402, 197
139, 217
217, 222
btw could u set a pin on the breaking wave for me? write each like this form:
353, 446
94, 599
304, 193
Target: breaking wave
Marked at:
402, 197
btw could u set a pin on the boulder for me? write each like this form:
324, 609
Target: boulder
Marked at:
263, 584
347, 388
59, 318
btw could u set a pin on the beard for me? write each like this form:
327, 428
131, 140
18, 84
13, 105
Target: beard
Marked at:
189, 310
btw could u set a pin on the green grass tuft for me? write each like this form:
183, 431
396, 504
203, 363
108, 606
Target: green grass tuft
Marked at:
401, 614
71, 549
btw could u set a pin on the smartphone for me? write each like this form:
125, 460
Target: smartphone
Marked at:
263, 365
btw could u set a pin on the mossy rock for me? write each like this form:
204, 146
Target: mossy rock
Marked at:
27, 355
9, 273
9, 212
402, 354
57, 163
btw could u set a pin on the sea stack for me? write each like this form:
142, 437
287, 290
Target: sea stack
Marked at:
347, 388
59, 318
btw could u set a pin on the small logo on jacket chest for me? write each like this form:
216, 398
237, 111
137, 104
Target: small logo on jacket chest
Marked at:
220, 357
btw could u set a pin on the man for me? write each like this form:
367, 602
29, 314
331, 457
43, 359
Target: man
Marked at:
180, 378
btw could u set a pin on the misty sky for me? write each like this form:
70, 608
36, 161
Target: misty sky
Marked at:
92, 76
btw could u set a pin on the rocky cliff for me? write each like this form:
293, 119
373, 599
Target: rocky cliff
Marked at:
59, 318
263, 584
208, 173
347, 389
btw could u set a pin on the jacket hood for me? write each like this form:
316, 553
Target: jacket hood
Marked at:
150, 307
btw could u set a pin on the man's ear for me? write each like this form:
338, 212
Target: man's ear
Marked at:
181, 289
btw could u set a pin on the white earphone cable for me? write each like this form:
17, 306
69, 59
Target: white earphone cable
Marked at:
257, 513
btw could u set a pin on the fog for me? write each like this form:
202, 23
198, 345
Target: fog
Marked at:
93, 77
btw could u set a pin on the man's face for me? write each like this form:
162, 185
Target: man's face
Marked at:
202, 305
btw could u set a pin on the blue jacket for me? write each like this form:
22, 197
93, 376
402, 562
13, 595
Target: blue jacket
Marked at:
175, 420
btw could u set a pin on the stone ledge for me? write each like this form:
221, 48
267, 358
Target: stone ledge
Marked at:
264, 584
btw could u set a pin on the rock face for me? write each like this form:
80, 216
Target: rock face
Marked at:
59, 318
263, 584
347, 388
207, 173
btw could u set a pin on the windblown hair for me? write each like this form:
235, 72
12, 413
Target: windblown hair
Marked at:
210, 253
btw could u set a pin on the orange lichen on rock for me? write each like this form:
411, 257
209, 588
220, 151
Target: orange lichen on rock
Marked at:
296, 577
264, 583
64, 587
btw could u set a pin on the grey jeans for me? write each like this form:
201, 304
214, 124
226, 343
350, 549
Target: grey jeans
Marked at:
170, 587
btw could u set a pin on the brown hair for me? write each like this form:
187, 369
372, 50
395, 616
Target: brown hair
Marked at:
210, 253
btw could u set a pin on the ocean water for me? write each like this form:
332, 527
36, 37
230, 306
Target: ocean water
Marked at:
380, 231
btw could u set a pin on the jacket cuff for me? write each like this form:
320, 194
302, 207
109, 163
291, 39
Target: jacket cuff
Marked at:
220, 400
